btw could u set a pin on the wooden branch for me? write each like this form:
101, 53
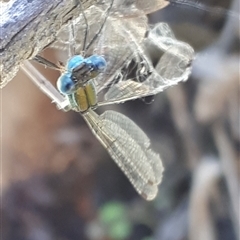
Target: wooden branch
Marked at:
28, 26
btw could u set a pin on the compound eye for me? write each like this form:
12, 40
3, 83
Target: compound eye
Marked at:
74, 62
65, 84
98, 62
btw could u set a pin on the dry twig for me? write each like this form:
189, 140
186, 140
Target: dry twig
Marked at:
27, 27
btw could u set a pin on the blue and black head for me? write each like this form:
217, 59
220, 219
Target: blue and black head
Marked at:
89, 68
79, 70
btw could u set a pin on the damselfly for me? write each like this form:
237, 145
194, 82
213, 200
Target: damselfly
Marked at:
120, 46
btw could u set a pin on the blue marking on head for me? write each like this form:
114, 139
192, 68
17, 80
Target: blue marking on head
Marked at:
97, 62
74, 62
65, 84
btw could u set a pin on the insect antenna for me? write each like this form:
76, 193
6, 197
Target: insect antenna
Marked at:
100, 29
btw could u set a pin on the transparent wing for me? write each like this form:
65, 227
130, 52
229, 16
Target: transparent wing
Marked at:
127, 11
129, 146
130, 73
120, 46
95, 17
119, 43
173, 66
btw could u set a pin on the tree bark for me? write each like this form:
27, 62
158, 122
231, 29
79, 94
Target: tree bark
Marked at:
27, 27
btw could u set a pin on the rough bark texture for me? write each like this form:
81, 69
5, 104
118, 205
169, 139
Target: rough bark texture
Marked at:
27, 26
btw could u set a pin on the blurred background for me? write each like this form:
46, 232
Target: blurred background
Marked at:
59, 183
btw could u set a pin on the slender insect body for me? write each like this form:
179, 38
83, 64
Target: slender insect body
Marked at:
86, 77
